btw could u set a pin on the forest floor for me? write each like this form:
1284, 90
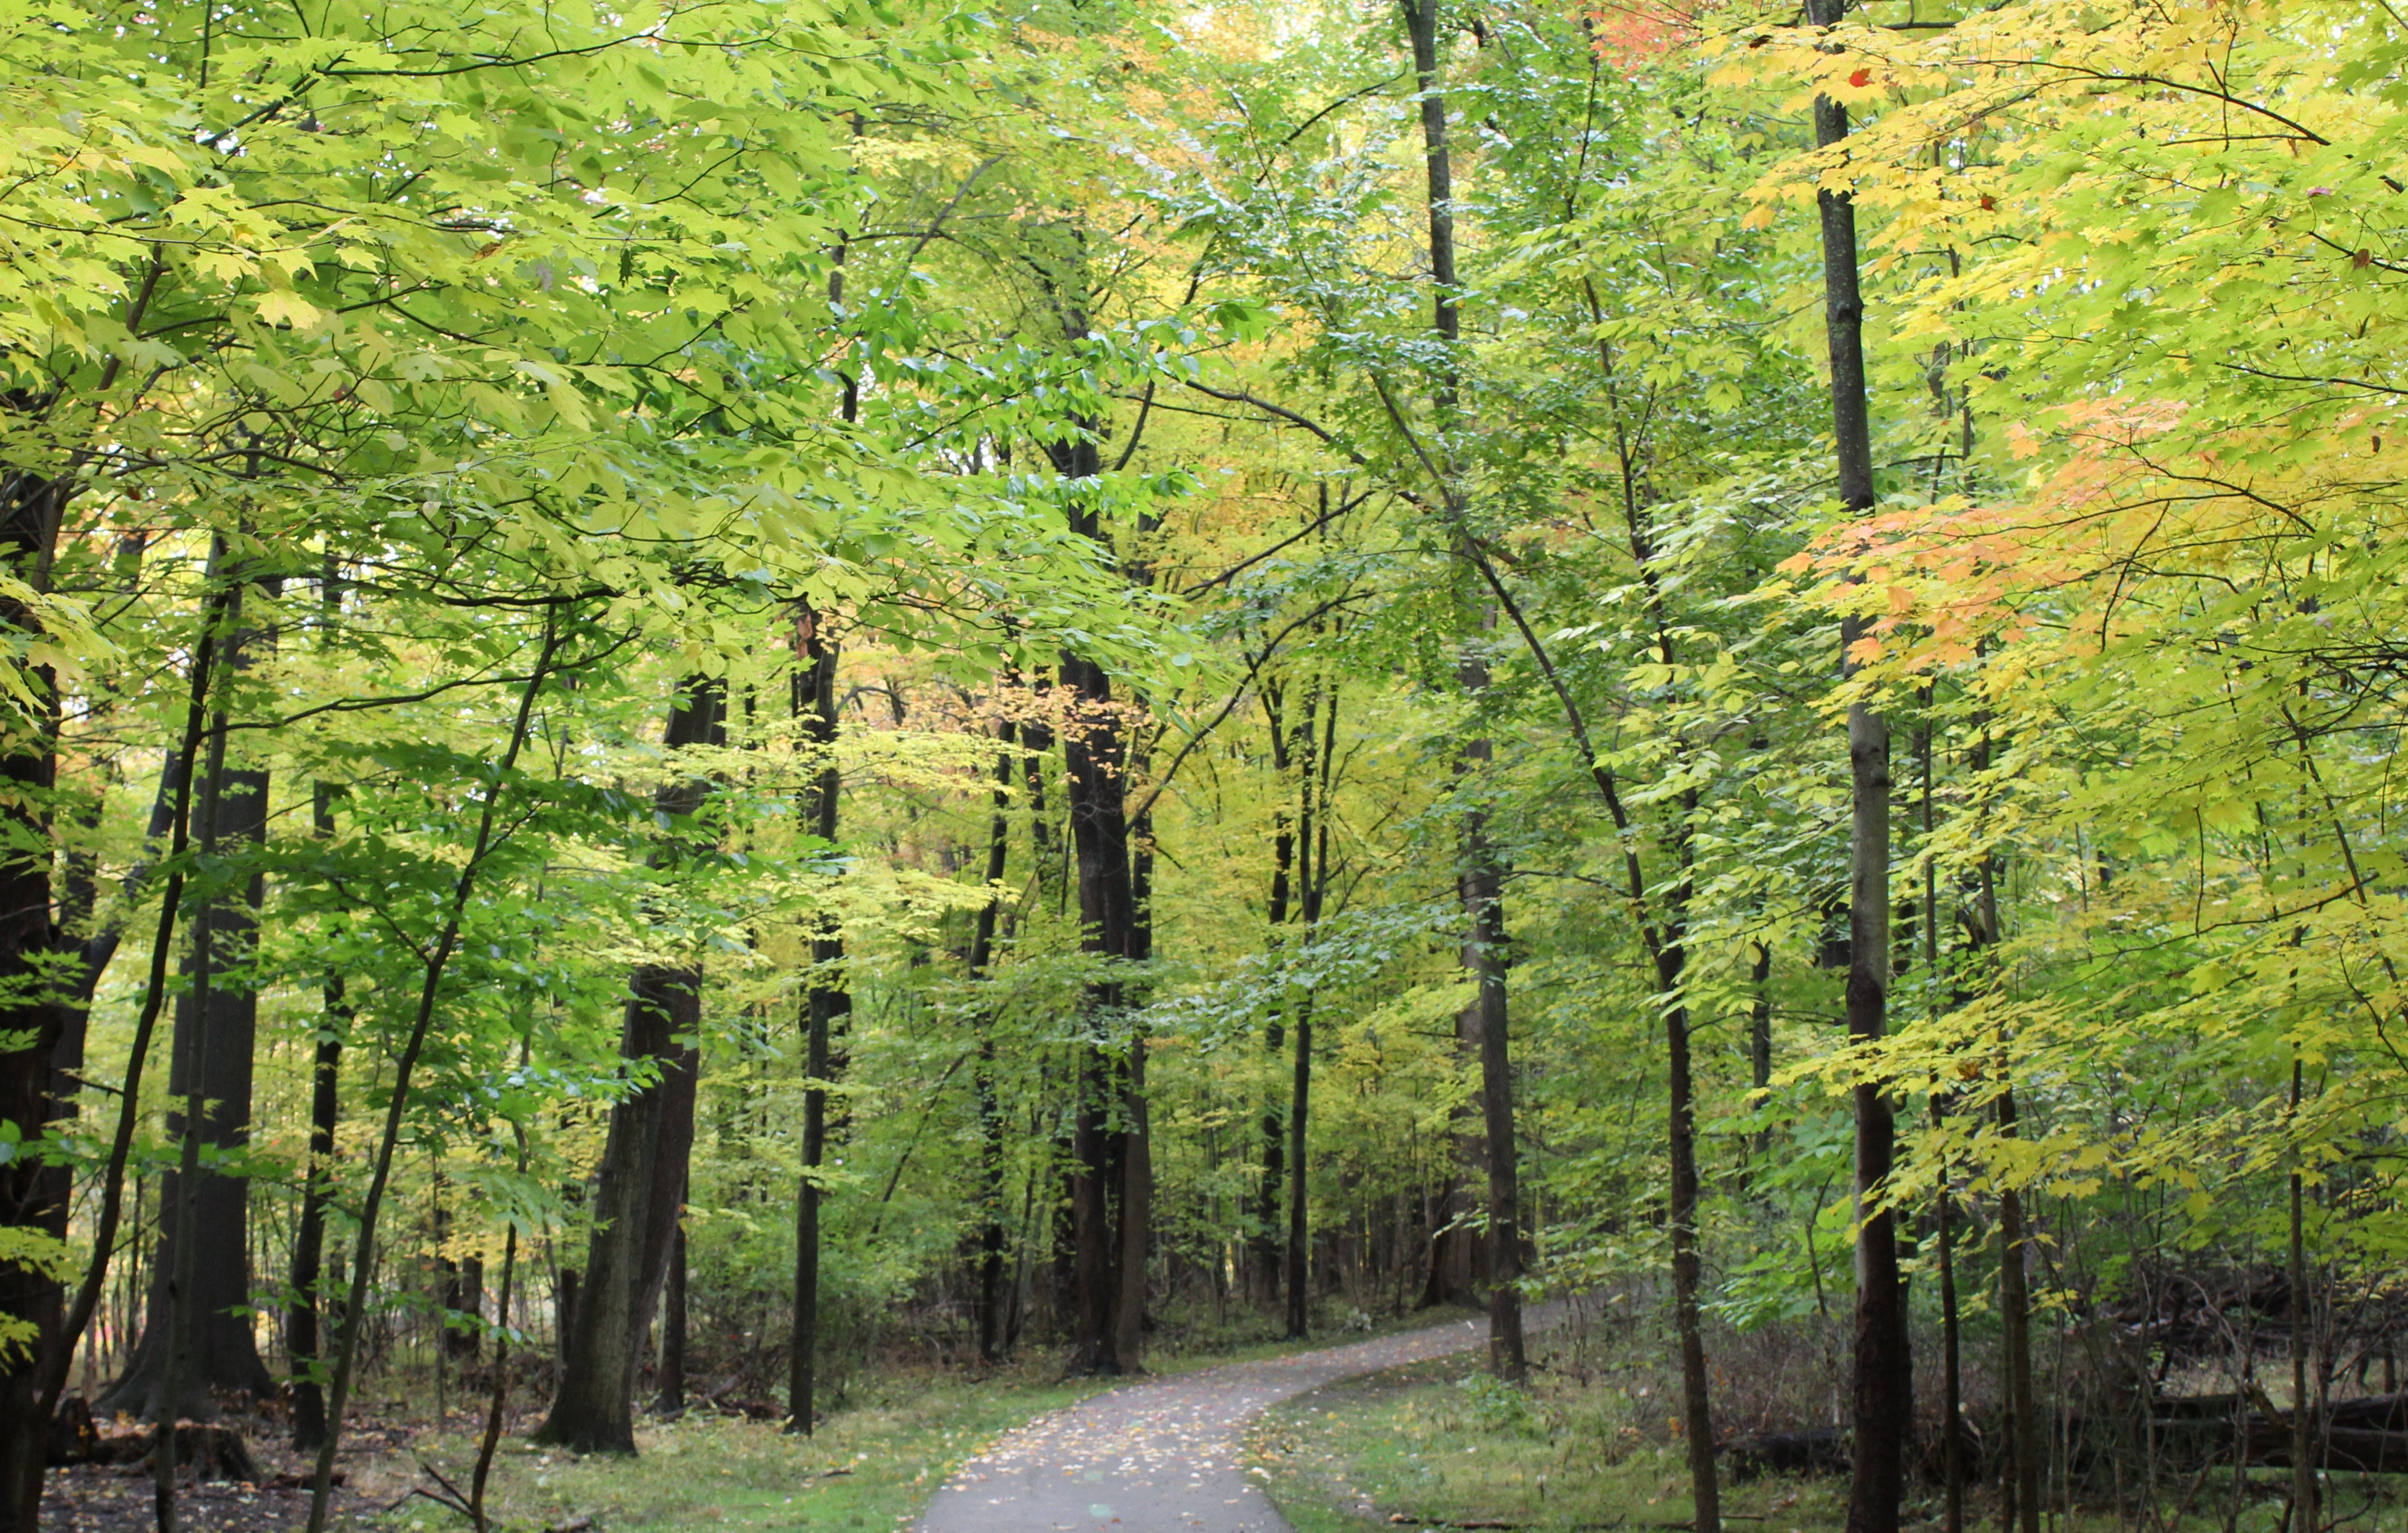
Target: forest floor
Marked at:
1439, 1445
870, 1469
1163, 1454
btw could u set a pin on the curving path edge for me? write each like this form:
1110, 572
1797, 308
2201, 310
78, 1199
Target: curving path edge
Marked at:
1163, 1455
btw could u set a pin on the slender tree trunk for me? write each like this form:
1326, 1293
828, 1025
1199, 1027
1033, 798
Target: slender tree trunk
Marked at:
309, 1239
2019, 1499
301, 1335
1135, 1232
826, 1001
1479, 881
1299, 1288
210, 1061
1272, 1193
1883, 1403
172, 1321
2303, 1411
29, 1396
651, 1135
493, 1435
1304, 754
671, 1381
1952, 1393
430, 992
992, 1236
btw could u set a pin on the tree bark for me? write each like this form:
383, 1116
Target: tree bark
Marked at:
1882, 1403
1272, 1194
651, 1135
825, 1002
29, 507
1113, 1170
2304, 1425
210, 1061
671, 1379
1479, 879
2019, 1501
309, 1239
992, 1236
1313, 879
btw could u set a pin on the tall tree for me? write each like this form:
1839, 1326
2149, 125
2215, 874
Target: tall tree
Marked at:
216, 1077
826, 1001
639, 1187
1479, 873
1882, 1403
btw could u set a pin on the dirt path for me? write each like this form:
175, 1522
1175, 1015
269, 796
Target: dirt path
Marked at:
1162, 1456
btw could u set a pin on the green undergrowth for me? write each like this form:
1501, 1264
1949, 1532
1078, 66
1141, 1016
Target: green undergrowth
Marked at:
870, 1468
1250, 1336
1441, 1445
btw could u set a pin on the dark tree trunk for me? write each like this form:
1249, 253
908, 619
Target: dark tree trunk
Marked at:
991, 1238
1299, 1289
464, 1296
1479, 878
302, 1328
1882, 1406
211, 1058
2019, 1498
2304, 1457
30, 508
1312, 881
639, 1187
825, 1003
673, 1370
1272, 1197
1952, 1392
1112, 1158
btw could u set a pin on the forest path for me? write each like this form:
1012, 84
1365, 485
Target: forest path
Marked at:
1163, 1455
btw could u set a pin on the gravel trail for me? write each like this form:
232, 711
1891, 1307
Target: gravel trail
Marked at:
1162, 1455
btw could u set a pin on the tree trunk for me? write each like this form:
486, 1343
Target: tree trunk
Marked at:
1272, 1195
1299, 1289
672, 1369
2019, 1498
1313, 881
2304, 1425
824, 1001
992, 1237
302, 1329
1881, 1401
1112, 1164
1136, 1147
464, 1296
1480, 889
651, 1135
217, 1025
1479, 881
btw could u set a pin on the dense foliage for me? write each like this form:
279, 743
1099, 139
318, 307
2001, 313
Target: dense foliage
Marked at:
969, 681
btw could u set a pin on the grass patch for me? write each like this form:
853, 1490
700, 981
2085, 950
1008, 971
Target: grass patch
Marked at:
1441, 1443
871, 1467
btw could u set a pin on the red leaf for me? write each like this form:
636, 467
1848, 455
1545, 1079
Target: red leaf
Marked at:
1987, 202
1861, 79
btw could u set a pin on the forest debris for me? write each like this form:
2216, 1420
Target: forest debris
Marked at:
574, 1524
